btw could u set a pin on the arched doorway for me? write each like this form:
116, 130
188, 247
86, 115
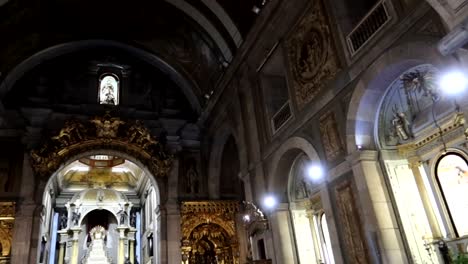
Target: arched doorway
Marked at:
102, 197
104, 191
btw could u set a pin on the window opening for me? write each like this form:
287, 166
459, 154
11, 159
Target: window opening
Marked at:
109, 90
452, 177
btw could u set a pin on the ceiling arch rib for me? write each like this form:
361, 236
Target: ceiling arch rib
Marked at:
206, 25
59, 50
226, 20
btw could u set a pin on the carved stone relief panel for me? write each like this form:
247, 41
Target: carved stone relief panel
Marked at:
331, 140
311, 54
350, 224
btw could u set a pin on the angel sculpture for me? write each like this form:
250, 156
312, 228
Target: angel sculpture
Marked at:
107, 128
421, 82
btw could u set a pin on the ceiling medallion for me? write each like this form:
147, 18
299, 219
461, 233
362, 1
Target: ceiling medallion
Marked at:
106, 132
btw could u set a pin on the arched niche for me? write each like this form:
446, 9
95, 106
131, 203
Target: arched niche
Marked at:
231, 186
221, 137
372, 86
282, 161
120, 212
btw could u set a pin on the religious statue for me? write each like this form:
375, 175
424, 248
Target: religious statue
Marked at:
98, 233
400, 125
76, 218
191, 182
63, 221
133, 219
123, 216
107, 128
108, 91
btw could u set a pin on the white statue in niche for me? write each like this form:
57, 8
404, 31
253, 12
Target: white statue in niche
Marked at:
109, 91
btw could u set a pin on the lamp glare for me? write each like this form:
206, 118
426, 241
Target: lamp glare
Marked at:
269, 202
453, 83
315, 172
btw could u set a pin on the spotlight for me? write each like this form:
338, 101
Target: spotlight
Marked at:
256, 9
359, 147
453, 82
246, 218
315, 172
270, 202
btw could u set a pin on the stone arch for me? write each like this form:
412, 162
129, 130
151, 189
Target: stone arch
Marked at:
88, 212
157, 183
184, 82
373, 83
220, 139
281, 162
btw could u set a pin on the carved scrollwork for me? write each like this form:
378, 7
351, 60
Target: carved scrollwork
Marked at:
105, 132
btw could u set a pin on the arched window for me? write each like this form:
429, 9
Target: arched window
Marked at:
452, 177
109, 90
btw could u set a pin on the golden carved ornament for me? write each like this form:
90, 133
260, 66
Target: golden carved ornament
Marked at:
7, 218
311, 53
213, 221
107, 132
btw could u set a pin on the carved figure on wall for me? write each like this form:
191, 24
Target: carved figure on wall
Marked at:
63, 221
70, 133
400, 125
133, 219
76, 217
191, 178
107, 127
123, 216
330, 136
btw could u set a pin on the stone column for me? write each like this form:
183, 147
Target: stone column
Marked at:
416, 168
131, 240
312, 216
75, 246
173, 234
62, 241
377, 209
121, 251
283, 241
24, 218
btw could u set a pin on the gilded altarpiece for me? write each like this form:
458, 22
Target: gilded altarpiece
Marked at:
350, 223
209, 232
7, 219
331, 139
311, 54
